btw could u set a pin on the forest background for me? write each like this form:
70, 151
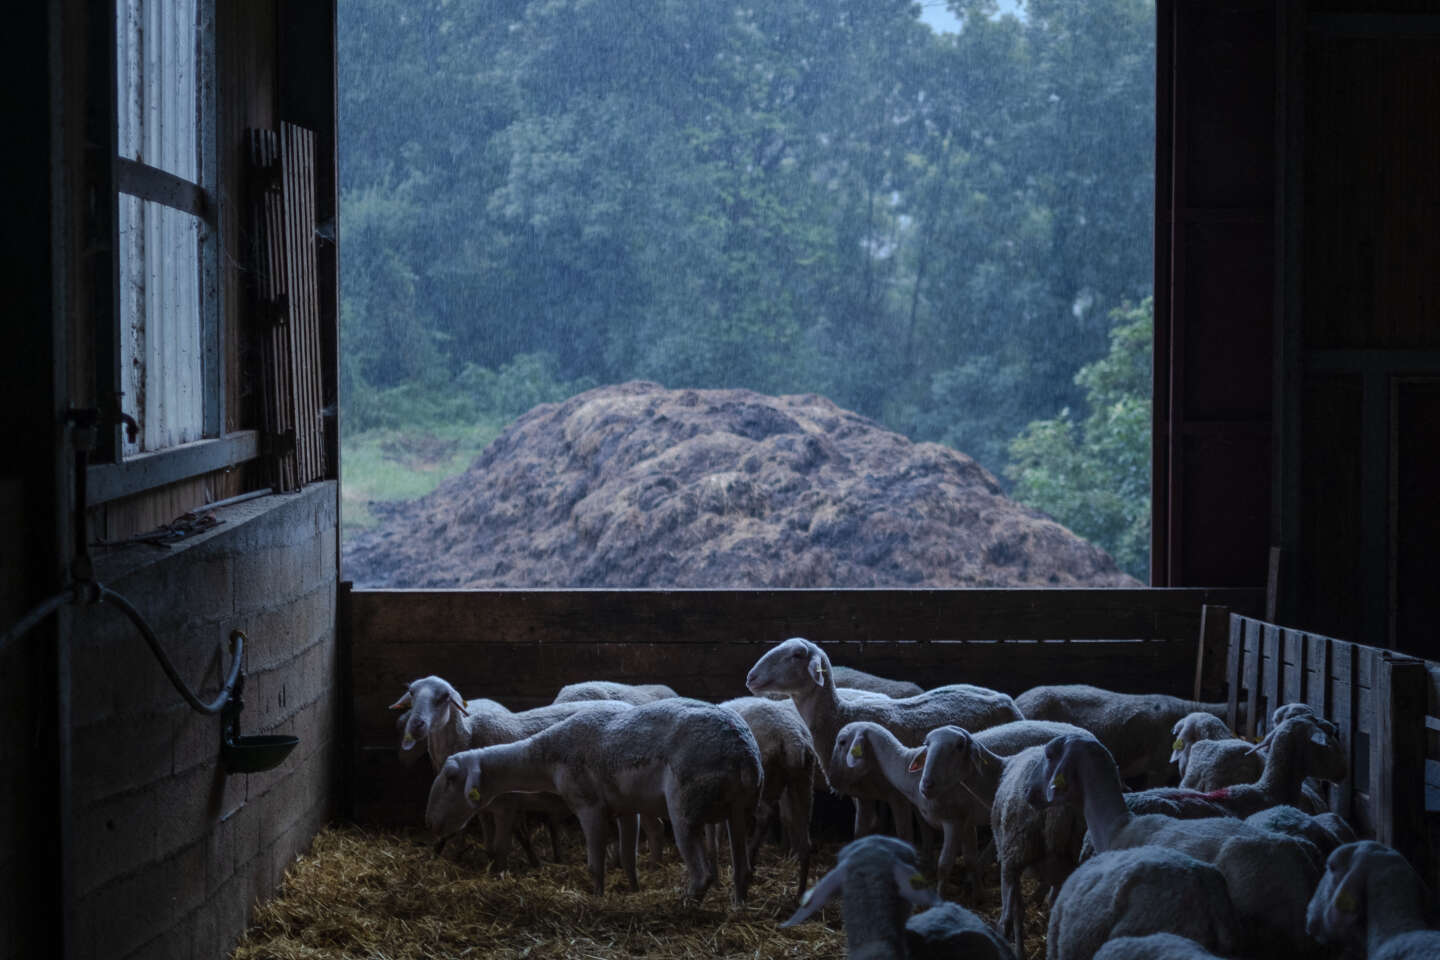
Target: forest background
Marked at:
949, 232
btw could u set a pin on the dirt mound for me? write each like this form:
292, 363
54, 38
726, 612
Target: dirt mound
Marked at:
635, 485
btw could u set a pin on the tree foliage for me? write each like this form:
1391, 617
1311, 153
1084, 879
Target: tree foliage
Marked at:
796, 196
1093, 475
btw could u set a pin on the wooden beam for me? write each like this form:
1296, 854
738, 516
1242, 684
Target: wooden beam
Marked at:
160, 186
111, 481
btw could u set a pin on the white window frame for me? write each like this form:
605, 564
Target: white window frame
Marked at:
115, 474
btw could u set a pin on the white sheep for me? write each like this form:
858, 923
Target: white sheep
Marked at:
1268, 874
692, 762
787, 755
801, 669
1304, 745
1138, 892
853, 679
1157, 946
1372, 899
436, 721
630, 693
1192, 729
1221, 763
950, 778
880, 881
1135, 728
1044, 842
1326, 830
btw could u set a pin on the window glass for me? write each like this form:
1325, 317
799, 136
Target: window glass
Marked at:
157, 84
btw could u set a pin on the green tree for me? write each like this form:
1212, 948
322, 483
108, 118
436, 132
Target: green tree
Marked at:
1093, 475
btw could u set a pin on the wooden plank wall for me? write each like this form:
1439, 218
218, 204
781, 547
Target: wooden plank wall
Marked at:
283, 196
520, 647
1378, 699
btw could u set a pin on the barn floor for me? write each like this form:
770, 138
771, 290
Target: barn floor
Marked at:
387, 896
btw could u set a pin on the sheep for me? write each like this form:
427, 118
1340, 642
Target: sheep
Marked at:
1326, 830
1218, 764
1138, 892
690, 761
1157, 946
1371, 898
1191, 729
879, 880
800, 668
852, 679
437, 721
1044, 841
787, 754
950, 778
1132, 726
633, 694
1268, 874
1300, 746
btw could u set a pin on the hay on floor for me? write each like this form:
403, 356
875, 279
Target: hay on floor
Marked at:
385, 895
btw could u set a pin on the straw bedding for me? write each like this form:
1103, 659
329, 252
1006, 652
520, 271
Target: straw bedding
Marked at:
388, 896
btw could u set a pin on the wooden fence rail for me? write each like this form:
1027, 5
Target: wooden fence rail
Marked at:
1382, 702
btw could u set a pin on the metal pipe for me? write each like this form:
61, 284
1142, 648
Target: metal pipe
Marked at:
32, 619
237, 647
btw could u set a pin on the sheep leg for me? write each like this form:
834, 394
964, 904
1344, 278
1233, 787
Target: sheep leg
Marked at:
904, 823
951, 832
627, 850
504, 831
552, 827
654, 829
596, 826
740, 869
795, 808
866, 818
1012, 907
689, 839
764, 816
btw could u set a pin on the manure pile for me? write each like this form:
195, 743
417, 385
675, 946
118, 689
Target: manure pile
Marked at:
386, 895
635, 485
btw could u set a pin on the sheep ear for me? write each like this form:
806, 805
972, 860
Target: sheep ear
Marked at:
918, 763
818, 895
1264, 743
915, 886
403, 703
1343, 909
458, 702
817, 668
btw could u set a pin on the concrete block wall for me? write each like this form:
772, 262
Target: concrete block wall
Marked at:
171, 854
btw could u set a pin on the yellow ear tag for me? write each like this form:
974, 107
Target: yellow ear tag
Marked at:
1346, 903
1057, 783
918, 881
1178, 744
474, 794
407, 740
857, 751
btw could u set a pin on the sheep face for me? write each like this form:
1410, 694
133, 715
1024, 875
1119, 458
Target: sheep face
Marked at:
429, 700
947, 762
850, 758
1336, 910
1066, 760
796, 665
448, 809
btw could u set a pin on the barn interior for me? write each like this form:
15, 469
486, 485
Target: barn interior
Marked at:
1296, 430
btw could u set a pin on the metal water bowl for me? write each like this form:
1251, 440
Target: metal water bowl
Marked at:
256, 753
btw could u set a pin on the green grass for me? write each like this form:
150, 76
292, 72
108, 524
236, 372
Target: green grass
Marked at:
402, 464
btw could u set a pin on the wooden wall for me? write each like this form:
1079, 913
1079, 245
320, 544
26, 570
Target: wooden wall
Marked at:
520, 647
1364, 293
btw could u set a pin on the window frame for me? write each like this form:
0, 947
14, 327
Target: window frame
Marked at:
112, 474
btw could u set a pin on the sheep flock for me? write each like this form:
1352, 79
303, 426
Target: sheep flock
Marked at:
958, 794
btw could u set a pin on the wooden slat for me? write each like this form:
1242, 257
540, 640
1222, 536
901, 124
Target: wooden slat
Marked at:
1210, 658
1403, 683
1254, 667
1343, 701
1275, 670
298, 169
708, 616
1292, 644
1233, 679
